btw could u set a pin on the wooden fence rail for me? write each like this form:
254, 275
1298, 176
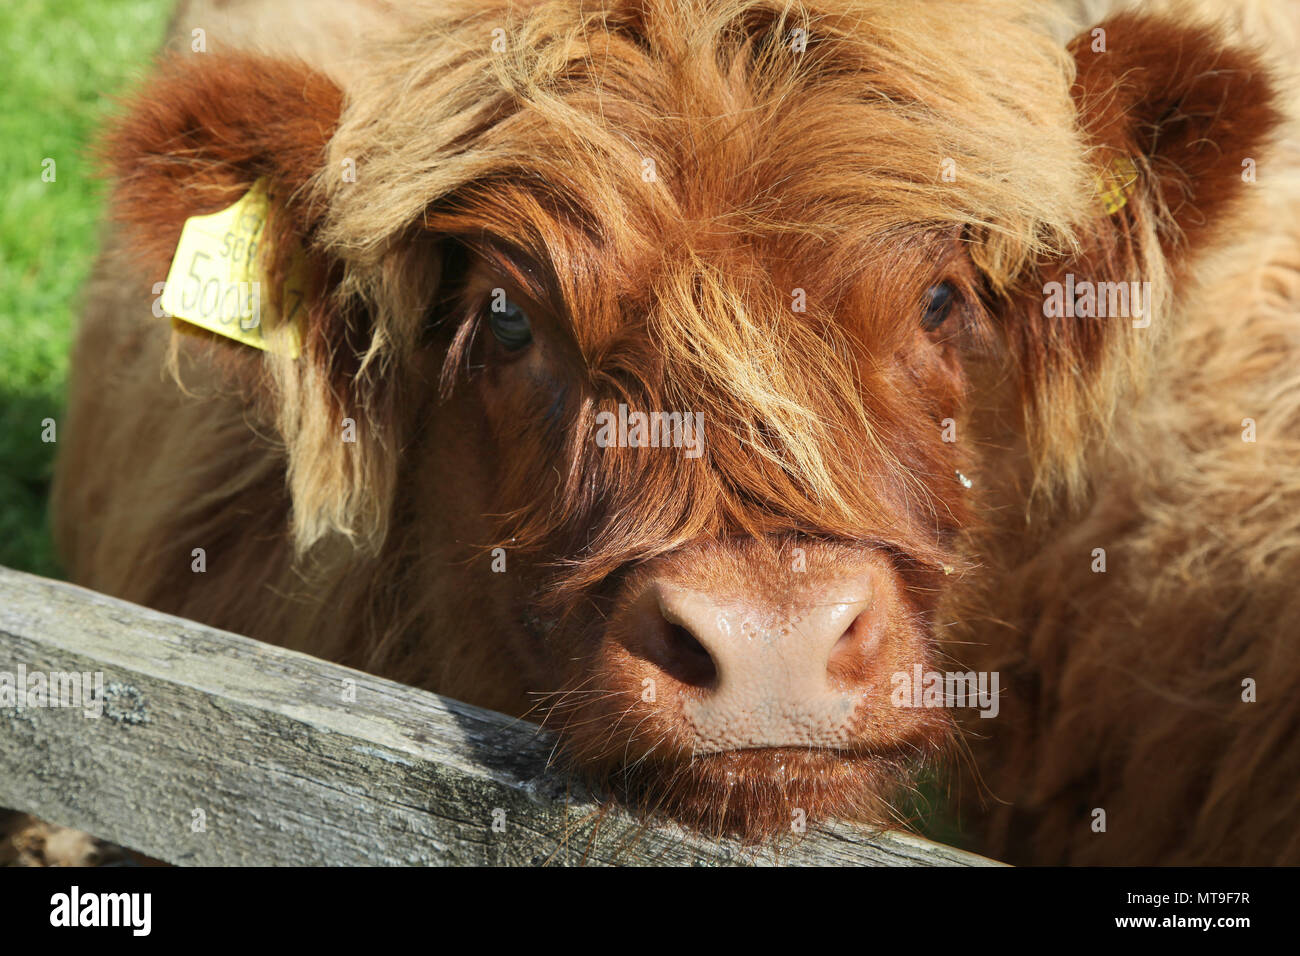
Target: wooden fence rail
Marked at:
214, 749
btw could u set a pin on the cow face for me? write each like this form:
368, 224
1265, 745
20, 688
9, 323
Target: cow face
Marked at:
675, 333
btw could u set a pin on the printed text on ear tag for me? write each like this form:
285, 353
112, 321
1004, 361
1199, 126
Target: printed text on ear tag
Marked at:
217, 283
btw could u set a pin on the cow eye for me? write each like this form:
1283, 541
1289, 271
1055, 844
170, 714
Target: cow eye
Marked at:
938, 303
510, 325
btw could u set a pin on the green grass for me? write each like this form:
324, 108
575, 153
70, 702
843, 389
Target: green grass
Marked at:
60, 61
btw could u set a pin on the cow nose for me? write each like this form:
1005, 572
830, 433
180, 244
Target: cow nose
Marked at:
764, 675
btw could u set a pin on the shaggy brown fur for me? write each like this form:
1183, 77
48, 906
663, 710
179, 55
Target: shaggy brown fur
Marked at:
28, 842
775, 169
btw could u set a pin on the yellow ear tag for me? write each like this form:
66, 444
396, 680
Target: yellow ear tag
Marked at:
217, 283
1115, 182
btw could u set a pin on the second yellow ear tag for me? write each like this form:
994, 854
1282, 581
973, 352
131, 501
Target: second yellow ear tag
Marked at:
1115, 182
217, 280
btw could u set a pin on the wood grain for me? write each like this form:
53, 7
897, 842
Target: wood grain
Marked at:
214, 749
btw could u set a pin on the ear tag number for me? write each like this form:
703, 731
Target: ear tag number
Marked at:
216, 278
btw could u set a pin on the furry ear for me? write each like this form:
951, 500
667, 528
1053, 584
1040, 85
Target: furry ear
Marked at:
194, 140
1191, 113
1169, 113
202, 131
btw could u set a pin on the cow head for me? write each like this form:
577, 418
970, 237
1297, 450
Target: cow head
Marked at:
690, 344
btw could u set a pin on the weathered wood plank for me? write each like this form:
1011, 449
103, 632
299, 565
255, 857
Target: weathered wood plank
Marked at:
287, 759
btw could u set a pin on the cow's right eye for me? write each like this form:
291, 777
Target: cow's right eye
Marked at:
938, 303
510, 325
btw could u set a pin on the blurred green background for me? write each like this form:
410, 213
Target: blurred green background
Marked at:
61, 61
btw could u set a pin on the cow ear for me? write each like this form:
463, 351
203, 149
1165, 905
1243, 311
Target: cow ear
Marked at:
1176, 119
202, 131
1172, 120
198, 137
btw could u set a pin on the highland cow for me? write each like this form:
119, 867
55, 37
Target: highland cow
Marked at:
829, 233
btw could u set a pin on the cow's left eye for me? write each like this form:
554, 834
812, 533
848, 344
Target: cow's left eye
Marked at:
510, 325
939, 300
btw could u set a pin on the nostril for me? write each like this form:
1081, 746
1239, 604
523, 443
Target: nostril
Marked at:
684, 658
854, 646
846, 640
